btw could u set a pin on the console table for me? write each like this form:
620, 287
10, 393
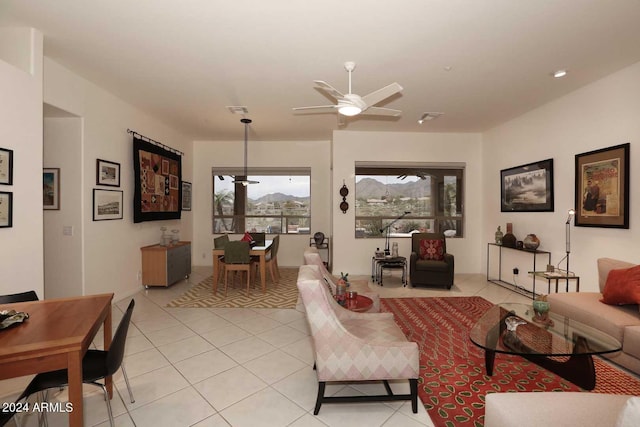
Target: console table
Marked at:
512, 286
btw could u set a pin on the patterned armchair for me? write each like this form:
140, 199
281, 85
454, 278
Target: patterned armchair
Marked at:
430, 264
353, 346
312, 257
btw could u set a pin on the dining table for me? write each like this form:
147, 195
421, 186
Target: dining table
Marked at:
259, 251
56, 336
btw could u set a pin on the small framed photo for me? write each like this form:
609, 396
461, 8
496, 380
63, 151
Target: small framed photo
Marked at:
6, 209
602, 188
51, 188
107, 204
527, 188
186, 196
6, 166
107, 173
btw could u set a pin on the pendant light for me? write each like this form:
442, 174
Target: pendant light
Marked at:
245, 181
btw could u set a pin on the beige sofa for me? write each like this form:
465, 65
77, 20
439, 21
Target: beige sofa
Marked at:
619, 321
312, 257
559, 409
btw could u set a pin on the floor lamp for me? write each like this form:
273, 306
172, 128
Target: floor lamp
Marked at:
567, 226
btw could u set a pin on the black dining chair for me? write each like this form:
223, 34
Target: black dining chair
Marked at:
19, 297
96, 365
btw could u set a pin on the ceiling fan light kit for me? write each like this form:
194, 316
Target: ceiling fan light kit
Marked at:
351, 104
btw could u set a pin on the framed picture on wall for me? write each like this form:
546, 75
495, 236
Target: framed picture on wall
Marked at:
527, 188
186, 196
107, 173
6, 209
6, 166
107, 204
602, 188
51, 188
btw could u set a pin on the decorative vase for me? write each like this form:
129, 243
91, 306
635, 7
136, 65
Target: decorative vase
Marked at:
541, 310
509, 240
499, 235
394, 250
531, 242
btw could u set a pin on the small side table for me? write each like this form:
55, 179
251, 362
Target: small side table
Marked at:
557, 276
391, 263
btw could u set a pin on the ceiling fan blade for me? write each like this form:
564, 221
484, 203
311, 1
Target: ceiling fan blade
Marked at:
329, 89
317, 109
374, 97
379, 111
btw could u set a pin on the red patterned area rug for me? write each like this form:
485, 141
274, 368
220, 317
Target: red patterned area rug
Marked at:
453, 380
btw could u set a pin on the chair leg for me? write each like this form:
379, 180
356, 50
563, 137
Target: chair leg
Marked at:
321, 385
126, 380
248, 273
106, 398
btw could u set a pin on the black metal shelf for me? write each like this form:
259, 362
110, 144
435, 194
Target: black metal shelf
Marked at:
512, 286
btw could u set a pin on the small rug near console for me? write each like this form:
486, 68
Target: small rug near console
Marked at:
283, 296
453, 380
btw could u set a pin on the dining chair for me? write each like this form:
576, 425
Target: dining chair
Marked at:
237, 258
96, 365
219, 243
19, 297
272, 260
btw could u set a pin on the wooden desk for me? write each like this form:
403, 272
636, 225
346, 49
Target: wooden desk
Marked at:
56, 336
259, 251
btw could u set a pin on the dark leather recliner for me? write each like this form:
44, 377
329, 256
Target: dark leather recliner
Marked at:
423, 272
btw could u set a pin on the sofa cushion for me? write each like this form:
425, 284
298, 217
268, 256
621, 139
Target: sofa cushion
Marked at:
622, 286
607, 264
432, 249
585, 307
630, 414
631, 344
427, 265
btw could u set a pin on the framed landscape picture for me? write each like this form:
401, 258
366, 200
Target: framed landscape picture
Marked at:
6, 209
527, 188
51, 188
602, 188
107, 173
107, 204
186, 196
6, 166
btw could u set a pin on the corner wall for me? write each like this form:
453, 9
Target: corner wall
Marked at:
599, 115
21, 259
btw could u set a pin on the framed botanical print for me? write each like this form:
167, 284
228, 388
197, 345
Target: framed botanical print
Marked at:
6, 209
6, 166
186, 196
51, 188
602, 188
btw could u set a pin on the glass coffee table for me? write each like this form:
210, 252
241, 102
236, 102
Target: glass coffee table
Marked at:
540, 343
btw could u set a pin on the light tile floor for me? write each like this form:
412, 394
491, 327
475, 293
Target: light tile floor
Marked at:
235, 367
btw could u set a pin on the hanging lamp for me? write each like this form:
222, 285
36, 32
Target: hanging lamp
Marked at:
245, 181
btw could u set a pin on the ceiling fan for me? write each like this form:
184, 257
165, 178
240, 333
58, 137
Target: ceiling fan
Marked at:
350, 104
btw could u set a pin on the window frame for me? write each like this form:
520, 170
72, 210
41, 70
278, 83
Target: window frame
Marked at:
437, 216
240, 216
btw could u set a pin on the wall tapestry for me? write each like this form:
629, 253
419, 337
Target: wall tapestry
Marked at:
158, 173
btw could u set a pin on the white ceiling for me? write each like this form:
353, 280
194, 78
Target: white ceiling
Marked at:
185, 61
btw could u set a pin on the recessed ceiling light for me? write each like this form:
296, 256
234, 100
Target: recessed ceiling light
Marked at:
559, 73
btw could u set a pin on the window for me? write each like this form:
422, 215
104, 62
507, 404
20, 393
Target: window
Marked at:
429, 199
279, 203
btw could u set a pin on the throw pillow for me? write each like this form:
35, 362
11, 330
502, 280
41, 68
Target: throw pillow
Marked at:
622, 286
432, 249
247, 237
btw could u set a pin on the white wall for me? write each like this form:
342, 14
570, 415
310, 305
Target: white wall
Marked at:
602, 114
111, 249
354, 255
63, 253
209, 154
21, 261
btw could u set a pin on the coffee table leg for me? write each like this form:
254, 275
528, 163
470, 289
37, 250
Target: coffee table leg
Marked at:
489, 359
